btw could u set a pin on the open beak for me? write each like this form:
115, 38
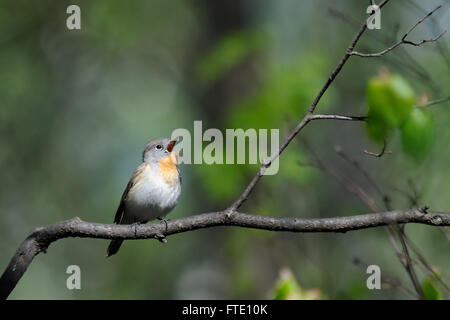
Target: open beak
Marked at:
171, 144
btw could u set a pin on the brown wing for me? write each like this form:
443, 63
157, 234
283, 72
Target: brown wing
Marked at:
134, 178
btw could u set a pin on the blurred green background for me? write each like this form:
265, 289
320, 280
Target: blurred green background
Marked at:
77, 107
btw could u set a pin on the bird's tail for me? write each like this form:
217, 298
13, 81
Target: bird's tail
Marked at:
113, 247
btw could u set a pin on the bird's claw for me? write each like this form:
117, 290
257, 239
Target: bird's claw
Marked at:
161, 238
165, 222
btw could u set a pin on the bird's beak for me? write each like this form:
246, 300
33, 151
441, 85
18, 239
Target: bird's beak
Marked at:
171, 144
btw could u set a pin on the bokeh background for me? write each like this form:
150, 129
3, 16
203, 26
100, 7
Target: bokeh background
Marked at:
77, 107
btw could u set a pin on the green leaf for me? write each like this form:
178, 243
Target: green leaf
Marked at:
377, 128
288, 289
430, 290
417, 134
391, 100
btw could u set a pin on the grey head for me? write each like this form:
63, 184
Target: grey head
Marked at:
157, 149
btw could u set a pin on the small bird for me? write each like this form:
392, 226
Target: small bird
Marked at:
153, 189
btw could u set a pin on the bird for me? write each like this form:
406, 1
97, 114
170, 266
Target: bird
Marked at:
153, 189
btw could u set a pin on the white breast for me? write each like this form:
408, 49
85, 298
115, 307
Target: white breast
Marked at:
151, 197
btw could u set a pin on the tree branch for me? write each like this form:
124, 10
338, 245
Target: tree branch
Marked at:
306, 119
337, 117
434, 102
41, 238
379, 154
403, 40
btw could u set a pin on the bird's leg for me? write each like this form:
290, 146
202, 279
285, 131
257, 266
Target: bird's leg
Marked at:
165, 222
162, 237
135, 224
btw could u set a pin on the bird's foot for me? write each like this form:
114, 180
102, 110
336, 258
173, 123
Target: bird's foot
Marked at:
161, 238
134, 225
165, 222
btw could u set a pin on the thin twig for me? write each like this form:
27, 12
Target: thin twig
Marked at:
434, 102
403, 40
379, 154
337, 117
306, 119
409, 63
388, 280
349, 184
423, 261
363, 171
393, 230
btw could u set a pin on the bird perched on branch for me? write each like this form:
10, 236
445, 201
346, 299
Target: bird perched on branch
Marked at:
153, 189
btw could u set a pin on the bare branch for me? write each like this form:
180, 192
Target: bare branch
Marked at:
337, 117
388, 281
404, 59
393, 230
403, 40
306, 119
344, 180
41, 238
434, 102
366, 175
379, 154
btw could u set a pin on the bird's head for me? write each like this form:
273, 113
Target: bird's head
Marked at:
160, 149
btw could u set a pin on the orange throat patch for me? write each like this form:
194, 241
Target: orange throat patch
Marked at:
168, 168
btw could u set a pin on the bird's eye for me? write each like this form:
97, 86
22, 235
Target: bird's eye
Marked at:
158, 147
